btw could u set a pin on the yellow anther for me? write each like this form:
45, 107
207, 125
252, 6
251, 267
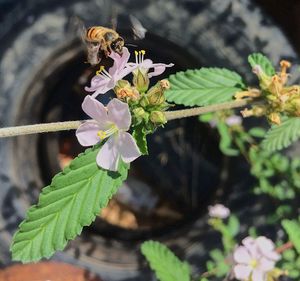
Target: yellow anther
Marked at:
253, 263
102, 134
100, 69
136, 53
143, 52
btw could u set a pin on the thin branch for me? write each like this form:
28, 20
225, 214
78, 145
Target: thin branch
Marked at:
72, 125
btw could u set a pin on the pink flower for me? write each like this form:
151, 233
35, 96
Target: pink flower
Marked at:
254, 259
145, 65
111, 122
105, 81
218, 211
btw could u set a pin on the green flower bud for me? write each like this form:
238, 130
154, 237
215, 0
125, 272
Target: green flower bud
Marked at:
155, 95
158, 117
139, 112
141, 80
144, 101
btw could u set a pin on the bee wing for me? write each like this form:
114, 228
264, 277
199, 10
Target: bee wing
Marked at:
139, 31
93, 54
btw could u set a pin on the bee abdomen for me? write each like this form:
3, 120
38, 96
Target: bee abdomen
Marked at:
93, 33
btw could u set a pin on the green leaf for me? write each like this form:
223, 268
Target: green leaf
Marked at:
165, 264
292, 228
281, 136
204, 86
257, 132
139, 133
263, 61
226, 140
233, 225
72, 200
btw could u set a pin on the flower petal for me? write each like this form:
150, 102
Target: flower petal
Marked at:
258, 275
87, 133
108, 156
128, 148
119, 61
266, 265
119, 114
266, 248
95, 109
242, 272
241, 255
159, 68
97, 82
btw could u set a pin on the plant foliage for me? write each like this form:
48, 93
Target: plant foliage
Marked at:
281, 136
263, 62
292, 228
205, 86
72, 200
165, 264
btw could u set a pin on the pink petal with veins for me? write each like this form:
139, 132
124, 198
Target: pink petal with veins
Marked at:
128, 149
119, 114
87, 133
108, 156
95, 110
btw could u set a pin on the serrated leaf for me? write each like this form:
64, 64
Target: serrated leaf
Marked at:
204, 86
292, 228
139, 133
283, 135
72, 200
166, 265
263, 61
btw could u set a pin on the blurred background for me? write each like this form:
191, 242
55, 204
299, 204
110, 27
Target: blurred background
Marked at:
42, 78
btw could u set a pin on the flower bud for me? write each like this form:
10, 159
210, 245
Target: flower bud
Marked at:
155, 94
124, 91
158, 117
140, 114
264, 79
144, 102
141, 80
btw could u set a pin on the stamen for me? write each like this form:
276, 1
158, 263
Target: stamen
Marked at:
107, 133
143, 52
100, 69
136, 56
103, 72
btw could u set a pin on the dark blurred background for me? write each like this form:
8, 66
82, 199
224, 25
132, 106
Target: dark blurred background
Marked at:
42, 79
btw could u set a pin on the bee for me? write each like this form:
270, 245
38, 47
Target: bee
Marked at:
100, 41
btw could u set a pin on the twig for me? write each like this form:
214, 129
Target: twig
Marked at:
72, 125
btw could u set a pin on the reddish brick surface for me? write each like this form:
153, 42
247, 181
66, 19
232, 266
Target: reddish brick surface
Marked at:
46, 271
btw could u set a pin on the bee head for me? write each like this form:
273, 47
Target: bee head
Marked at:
117, 45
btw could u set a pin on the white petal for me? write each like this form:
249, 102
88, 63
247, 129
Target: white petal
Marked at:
95, 109
266, 265
128, 149
119, 114
108, 156
241, 272
87, 133
258, 275
241, 255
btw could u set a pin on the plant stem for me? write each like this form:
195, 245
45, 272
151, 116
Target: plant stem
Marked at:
72, 125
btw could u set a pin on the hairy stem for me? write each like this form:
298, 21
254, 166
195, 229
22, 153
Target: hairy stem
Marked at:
72, 125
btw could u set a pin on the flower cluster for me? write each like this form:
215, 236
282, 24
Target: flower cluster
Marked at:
278, 98
135, 106
218, 211
255, 259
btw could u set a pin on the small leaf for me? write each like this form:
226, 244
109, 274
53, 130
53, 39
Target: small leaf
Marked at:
292, 228
233, 225
204, 87
72, 200
165, 264
281, 136
257, 132
263, 62
139, 133
226, 140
